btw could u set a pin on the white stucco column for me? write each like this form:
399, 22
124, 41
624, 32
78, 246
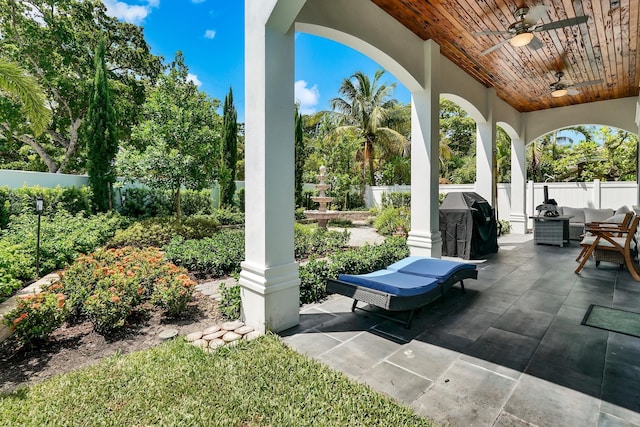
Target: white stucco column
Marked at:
485, 148
270, 286
424, 238
637, 120
518, 216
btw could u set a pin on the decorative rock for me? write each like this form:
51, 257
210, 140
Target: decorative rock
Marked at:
243, 330
200, 343
216, 343
231, 336
211, 330
193, 336
232, 326
252, 335
167, 334
214, 335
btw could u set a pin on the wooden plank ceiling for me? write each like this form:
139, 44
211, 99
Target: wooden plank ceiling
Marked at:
605, 47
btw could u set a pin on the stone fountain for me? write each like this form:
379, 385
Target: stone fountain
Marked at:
322, 214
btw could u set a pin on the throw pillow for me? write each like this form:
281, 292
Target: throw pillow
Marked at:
596, 215
621, 210
576, 214
616, 219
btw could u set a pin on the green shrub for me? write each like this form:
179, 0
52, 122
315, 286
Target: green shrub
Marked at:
36, 316
20, 201
338, 222
310, 240
214, 256
159, 231
240, 194
396, 199
108, 285
389, 220
143, 203
231, 302
62, 237
228, 216
504, 227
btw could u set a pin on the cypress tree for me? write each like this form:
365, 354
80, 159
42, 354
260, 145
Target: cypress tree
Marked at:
102, 142
230, 152
299, 158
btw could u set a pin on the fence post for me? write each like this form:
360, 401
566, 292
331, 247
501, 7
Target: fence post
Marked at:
597, 193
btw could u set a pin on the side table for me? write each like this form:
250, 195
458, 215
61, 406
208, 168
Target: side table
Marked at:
553, 230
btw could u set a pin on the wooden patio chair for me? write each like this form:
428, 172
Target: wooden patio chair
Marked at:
615, 238
587, 239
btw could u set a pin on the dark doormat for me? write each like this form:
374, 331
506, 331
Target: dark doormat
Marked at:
613, 319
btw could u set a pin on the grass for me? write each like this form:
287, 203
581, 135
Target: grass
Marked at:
260, 383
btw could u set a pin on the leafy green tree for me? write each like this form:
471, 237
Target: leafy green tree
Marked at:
457, 143
181, 135
102, 141
15, 82
364, 107
55, 41
299, 158
230, 151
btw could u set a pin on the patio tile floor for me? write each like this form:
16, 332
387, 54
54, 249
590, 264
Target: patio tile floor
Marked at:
509, 352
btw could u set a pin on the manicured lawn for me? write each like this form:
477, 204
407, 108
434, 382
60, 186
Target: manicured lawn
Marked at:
261, 383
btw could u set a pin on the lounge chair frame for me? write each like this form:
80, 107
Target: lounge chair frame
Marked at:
391, 302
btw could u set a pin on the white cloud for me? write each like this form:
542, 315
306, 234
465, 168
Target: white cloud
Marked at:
307, 97
209, 34
134, 14
193, 78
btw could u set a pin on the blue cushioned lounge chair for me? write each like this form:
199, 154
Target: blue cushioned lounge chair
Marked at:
403, 286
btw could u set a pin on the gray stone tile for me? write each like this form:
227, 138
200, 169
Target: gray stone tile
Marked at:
467, 323
504, 348
614, 415
626, 300
336, 304
465, 395
540, 301
513, 286
621, 372
492, 301
311, 343
445, 340
525, 321
359, 354
583, 299
426, 360
545, 404
348, 325
571, 356
508, 420
309, 319
560, 285
396, 382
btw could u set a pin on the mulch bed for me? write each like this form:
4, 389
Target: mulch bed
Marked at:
75, 346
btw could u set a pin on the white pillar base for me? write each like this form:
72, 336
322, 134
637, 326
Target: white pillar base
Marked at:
518, 223
270, 296
423, 244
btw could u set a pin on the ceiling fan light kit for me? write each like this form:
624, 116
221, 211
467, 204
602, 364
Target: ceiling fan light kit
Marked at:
521, 39
558, 93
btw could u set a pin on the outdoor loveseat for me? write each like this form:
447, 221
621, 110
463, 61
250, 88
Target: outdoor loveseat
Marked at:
403, 286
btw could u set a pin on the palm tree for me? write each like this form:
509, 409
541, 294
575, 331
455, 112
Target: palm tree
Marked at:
364, 108
15, 81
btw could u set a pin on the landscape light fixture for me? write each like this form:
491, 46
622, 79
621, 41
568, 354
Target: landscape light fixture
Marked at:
521, 39
39, 209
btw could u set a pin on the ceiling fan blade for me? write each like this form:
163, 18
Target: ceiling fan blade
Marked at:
589, 83
534, 15
489, 33
571, 91
494, 47
535, 43
562, 23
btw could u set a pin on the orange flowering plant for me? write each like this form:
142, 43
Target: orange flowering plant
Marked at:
108, 285
37, 315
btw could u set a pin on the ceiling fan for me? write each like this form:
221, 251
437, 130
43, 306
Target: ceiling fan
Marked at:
527, 24
561, 88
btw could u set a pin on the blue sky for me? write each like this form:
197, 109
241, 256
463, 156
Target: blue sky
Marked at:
210, 33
